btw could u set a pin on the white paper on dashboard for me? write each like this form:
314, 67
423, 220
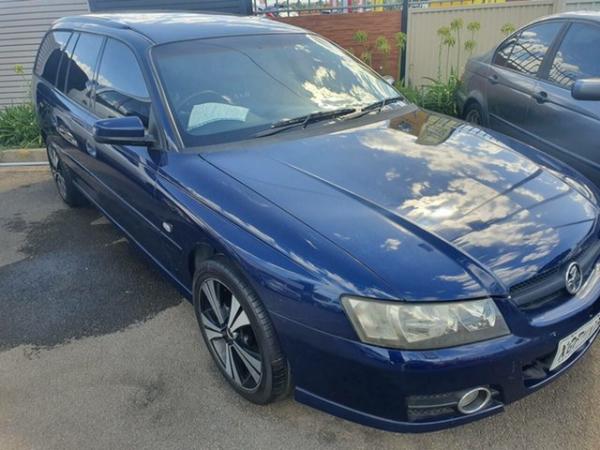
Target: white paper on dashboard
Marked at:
213, 112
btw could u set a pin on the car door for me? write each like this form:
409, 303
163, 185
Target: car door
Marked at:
562, 125
128, 172
512, 77
73, 115
46, 68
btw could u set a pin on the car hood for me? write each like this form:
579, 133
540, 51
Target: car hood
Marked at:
424, 200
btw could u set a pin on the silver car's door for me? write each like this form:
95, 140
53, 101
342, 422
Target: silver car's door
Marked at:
563, 126
512, 77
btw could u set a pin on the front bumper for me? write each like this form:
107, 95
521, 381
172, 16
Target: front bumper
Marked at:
374, 386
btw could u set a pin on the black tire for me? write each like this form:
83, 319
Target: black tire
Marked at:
63, 179
236, 349
474, 114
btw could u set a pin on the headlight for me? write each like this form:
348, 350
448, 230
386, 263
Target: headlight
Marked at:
420, 326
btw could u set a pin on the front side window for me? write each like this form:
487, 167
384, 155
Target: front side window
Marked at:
227, 89
82, 67
50, 54
578, 55
530, 47
121, 92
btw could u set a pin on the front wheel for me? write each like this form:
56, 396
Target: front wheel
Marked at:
474, 114
239, 334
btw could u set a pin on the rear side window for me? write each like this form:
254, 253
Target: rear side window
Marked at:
528, 51
121, 92
65, 62
82, 68
578, 55
504, 51
50, 55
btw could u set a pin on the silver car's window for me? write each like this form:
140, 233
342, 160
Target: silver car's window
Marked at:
528, 51
578, 55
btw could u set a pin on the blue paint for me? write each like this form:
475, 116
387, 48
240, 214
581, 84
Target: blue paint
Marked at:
401, 205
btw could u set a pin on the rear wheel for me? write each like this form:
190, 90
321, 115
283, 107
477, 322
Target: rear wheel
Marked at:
64, 180
474, 114
238, 333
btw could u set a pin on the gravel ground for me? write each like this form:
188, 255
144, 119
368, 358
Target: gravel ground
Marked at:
98, 351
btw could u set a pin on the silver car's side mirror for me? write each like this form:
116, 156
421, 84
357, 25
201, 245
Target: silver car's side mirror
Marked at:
586, 89
389, 79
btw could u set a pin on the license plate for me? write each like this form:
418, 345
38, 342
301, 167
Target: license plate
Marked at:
575, 341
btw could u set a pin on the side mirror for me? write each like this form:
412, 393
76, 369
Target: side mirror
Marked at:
121, 131
586, 89
389, 79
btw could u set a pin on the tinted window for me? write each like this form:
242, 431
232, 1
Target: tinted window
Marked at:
503, 53
50, 55
528, 52
578, 55
227, 89
81, 69
121, 92
65, 62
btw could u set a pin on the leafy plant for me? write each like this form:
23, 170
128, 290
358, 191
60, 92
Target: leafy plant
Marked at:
507, 28
366, 54
456, 25
449, 42
437, 95
443, 33
18, 123
382, 46
19, 127
400, 40
471, 43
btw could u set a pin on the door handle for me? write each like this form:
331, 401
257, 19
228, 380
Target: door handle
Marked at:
66, 134
540, 96
493, 79
90, 148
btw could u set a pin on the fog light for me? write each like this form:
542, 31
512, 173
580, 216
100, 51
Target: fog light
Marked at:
474, 400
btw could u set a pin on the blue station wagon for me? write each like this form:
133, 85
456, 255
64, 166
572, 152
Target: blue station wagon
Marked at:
388, 265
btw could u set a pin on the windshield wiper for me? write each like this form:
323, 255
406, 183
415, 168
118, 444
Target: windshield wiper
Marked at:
377, 106
303, 121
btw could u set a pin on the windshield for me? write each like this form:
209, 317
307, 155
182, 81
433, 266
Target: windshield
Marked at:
228, 89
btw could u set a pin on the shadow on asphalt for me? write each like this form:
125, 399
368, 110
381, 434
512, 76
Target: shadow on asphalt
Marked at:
79, 277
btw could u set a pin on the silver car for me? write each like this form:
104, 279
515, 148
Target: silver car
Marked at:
541, 85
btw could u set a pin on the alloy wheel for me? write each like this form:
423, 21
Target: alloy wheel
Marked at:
60, 183
56, 170
230, 335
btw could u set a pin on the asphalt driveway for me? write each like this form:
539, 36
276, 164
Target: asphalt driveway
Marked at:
98, 351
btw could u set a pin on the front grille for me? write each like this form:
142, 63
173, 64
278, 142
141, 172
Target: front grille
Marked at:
547, 289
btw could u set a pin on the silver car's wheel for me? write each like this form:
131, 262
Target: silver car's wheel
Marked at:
230, 335
474, 114
474, 117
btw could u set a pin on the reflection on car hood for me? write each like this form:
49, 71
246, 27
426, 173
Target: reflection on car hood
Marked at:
423, 196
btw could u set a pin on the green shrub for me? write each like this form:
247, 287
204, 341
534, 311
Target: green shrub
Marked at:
19, 127
438, 95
